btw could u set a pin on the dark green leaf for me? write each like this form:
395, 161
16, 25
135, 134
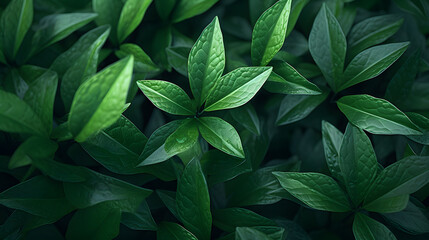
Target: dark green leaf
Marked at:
184, 138
229, 218
247, 233
188, 8
366, 228
173, 231
332, 139
33, 147
131, 15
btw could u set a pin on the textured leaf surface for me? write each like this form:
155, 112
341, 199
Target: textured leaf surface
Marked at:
237, 88
269, 32
98, 102
357, 162
376, 115
287, 80
167, 96
371, 63
327, 45
366, 228
221, 135
318, 191
193, 201
184, 138
206, 61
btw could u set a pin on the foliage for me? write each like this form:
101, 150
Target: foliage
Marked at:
208, 119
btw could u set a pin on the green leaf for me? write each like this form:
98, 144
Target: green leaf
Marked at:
269, 32
247, 233
117, 147
388, 205
296, 107
40, 97
173, 231
403, 177
411, 220
357, 162
193, 201
372, 31
33, 147
287, 80
327, 45
131, 15
16, 116
14, 24
185, 9
259, 187
376, 115
237, 88
140, 220
106, 92
164, 8
247, 117
69, 58
83, 67
54, 28
178, 59
169, 200
366, 228
168, 97
318, 191
295, 11
142, 62
229, 218
206, 61
98, 222
221, 135
332, 139
109, 12
371, 63
184, 138
38, 196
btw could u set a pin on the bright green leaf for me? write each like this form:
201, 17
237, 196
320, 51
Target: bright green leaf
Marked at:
131, 15
185, 9
185, 136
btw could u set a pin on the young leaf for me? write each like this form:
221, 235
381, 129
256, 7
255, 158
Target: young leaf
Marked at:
14, 24
221, 135
318, 191
403, 177
287, 80
237, 88
100, 221
84, 67
269, 33
357, 162
16, 116
366, 228
296, 107
131, 15
372, 31
188, 8
371, 63
327, 45
154, 151
106, 92
57, 27
206, 61
193, 201
167, 96
376, 115
40, 97
332, 139
173, 231
185, 136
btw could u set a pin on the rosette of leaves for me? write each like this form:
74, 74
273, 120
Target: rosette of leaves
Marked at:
212, 91
358, 183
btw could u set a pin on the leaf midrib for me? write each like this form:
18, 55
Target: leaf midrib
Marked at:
167, 98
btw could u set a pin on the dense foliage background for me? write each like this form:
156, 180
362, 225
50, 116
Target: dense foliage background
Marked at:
294, 119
